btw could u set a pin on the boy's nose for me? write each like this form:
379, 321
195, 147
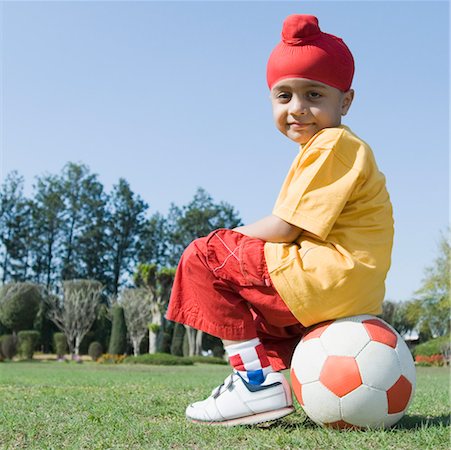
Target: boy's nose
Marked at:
297, 107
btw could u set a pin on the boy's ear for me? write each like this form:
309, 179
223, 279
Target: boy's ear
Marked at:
346, 101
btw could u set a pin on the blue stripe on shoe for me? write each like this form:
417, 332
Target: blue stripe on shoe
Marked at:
255, 376
257, 387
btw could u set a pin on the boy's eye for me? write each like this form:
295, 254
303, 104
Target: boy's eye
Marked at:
313, 95
283, 96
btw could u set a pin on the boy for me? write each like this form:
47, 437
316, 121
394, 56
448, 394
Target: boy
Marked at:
323, 253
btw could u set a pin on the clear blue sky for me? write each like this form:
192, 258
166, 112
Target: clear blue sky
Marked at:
172, 96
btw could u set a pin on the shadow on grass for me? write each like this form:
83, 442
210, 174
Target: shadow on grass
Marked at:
406, 423
412, 422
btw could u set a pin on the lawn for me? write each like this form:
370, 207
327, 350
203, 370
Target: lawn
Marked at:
50, 405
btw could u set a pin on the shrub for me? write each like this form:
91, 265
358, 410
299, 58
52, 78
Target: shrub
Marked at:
207, 360
118, 339
28, 340
432, 347
9, 346
159, 359
19, 305
60, 344
108, 358
95, 350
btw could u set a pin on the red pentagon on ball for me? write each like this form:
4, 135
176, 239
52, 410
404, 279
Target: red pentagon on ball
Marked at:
317, 331
379, 332
340, 374
341, 425
297, 387
398, 395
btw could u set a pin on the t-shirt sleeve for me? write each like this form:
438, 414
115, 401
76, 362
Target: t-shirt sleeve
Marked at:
316, 191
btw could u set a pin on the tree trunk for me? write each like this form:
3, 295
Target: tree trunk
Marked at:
152, 342
135, 343
191, 335
198, 347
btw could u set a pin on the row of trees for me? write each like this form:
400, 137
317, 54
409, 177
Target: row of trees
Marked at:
427, 314
72, 251
83, 254
72, 229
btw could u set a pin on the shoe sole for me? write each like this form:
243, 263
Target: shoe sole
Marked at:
250, 420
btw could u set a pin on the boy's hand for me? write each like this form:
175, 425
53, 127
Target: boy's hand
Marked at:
271, 229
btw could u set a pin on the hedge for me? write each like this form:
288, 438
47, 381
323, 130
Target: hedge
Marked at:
163, 359
432, 347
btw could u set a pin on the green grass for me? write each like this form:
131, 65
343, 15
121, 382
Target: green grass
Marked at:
50, 405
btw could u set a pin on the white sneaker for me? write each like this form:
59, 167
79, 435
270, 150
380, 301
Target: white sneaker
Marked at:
236, 402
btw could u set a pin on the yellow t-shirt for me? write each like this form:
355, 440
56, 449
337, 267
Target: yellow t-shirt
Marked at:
336, 194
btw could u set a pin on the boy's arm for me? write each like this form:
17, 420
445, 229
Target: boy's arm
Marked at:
271, 229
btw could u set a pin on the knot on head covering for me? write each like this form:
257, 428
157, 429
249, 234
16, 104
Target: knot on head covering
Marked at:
307, 52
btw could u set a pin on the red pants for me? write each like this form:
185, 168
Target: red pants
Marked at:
222, 287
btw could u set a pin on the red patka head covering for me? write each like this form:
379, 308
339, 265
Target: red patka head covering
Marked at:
306, 52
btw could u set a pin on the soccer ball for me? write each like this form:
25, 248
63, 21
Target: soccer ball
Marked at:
355, 372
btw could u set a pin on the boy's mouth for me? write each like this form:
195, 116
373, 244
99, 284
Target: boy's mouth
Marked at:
299, 125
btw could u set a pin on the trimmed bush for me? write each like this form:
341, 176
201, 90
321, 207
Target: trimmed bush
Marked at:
118, 339
8, 346
159, 359
95, 350
19, 305
60, 345
432, 347
207, 360
28, 339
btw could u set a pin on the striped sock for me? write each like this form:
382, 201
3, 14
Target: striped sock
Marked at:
250, 360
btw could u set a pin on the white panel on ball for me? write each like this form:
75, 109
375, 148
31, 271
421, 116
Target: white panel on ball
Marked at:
321, 405
308, 360
365, 407
344, 338
406, 361
391, 419
379, 365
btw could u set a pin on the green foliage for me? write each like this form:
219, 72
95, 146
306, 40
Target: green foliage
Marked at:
434, 295
95, 350
207, 360
8, 345
19, 305
48, 217
118, 339
15, 228
28, 340
159, 359
154, 328
125, 224
432, 347
60, 344
201, 216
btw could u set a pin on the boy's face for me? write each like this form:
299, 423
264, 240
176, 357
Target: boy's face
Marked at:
302, 107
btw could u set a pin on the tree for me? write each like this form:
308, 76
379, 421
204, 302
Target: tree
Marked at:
75, 312
198, 218
125, 224
155, 245
433, 297
159, 284
15, 229
47, 213
118, 339
84, 224
19, 305
137, 312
